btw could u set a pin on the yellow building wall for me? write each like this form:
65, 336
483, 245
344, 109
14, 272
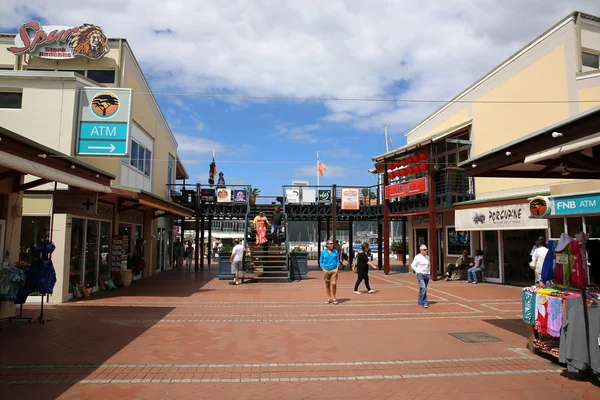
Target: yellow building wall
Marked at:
495, 124
37, 205
456, 119
588, 95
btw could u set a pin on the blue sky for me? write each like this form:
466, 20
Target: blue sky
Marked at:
427, 50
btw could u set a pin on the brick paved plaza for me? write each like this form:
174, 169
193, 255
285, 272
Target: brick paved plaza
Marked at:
184, 335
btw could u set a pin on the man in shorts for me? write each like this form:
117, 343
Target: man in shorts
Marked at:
329, 262
237, 258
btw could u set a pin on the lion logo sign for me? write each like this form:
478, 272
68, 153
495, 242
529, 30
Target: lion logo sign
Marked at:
89, 41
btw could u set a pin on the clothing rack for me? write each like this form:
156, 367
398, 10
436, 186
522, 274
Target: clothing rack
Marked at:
20, 317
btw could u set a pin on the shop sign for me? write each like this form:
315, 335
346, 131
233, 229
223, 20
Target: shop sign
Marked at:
324, 196
132, 217
350, 198
293, 195
562, 259
79, 203
514, 216
223, 195
409, 188
60, 42
539, 207
578, 204
240, 196
104, 122
208, 195
308, 195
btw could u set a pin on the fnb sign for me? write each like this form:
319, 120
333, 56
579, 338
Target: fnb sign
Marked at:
580, 204
60, 42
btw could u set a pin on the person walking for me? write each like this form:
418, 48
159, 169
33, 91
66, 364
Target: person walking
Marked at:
329, 261
189, 254
237, 258
476, 266
362, 269
276, 223
338, 248
179, 254
539, 255
345, 252
260, 224
421, 267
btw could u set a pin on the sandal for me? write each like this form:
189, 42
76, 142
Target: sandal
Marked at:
335, 302
328, 301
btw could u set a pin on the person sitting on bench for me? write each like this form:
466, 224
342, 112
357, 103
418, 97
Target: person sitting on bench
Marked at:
461, 263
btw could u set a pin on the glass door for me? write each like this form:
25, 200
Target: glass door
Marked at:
491, 246
160, 249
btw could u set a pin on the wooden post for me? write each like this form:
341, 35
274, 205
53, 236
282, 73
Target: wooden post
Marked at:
379, 244
197, 227
433, 256
209, 245
350, 240
386, 223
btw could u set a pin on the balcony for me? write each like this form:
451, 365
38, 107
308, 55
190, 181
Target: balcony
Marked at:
451, 187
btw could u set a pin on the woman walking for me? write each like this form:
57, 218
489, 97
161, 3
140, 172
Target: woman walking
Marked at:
260, 223
188, 254
421, 267
362, 269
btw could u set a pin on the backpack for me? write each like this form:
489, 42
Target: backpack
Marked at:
355, 265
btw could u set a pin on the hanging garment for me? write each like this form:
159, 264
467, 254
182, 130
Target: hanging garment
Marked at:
563, 241
594, 335
11, 281
548, 268
541, 313
573, 349
554, 315
578, 277
528, 306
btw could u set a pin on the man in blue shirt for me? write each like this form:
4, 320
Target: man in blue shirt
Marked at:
329, 262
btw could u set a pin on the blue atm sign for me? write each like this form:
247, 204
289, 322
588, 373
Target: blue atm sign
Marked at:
104, 122
577, 204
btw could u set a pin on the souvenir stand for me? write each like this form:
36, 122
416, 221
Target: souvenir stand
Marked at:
563, 310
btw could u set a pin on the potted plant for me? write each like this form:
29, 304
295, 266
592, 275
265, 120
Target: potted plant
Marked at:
299, 257
225, 263
367, 196
252, 195
398, 249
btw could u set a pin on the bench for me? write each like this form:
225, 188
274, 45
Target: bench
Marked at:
461, 275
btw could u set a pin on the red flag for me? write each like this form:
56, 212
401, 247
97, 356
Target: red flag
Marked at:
321, 167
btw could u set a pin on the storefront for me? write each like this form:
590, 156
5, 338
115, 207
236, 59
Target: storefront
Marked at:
505, 233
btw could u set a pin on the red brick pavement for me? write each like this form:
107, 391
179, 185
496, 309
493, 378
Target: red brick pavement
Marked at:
181, 335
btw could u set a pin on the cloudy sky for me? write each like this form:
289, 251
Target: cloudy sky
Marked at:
303, 49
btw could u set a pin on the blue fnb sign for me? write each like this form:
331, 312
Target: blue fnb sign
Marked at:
579, 204
104, 122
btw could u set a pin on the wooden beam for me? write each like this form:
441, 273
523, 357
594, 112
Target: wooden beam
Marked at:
11, 173
548, 169
21, 188
582, 161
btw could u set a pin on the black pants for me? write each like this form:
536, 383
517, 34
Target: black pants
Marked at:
362, 276
452, 268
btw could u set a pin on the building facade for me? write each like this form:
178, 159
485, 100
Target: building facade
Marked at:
554, 77
42, 98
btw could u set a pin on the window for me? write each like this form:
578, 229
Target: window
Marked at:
6, 68
590, 60
12, 100
170, 169
101, 75
557, 226
457, 242
592, 225
141, 158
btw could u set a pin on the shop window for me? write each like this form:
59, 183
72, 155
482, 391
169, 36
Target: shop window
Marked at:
76, 253
101, 75
134, 154
557, 226
11, 100
592, 226
574, 226
103, 262
170, 170
457, 241
91, 254
33, 231
590, 60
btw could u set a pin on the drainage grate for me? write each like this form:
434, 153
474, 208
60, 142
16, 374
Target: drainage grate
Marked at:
475, 337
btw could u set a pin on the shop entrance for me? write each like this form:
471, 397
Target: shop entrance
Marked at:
517, 249
422, 237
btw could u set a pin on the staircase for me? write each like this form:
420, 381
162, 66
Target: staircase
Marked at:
269, 261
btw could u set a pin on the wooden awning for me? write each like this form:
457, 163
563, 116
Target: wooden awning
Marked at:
145, 199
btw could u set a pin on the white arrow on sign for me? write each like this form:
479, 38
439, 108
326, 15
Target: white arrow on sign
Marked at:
111, 147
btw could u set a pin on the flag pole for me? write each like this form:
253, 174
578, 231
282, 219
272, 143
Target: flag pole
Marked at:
318, 175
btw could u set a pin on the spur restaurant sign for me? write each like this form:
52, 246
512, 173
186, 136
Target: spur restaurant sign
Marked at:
506, 217
60, 42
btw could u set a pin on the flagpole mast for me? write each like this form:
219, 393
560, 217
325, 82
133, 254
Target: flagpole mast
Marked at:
318, 175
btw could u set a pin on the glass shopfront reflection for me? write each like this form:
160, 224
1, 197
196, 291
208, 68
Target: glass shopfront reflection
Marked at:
491, 256
90, 252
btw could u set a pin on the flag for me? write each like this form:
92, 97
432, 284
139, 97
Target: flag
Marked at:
212, 171
214, 166
321, 167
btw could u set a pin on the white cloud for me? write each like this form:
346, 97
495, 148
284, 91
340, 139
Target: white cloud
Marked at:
303, 133
198, 146
412, 50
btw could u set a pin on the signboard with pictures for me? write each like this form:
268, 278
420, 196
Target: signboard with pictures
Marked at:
208, 195
223, 195
292, 195
57, 42
240, 196
324, 196
104, 122
350, 198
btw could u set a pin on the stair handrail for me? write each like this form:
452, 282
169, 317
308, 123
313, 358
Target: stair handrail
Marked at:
287, 237
246, 222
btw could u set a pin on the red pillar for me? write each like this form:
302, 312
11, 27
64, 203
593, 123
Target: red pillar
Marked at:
386, 223
433, 255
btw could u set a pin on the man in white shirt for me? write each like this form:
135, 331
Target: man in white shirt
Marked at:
421, 267
237, 257
345, 251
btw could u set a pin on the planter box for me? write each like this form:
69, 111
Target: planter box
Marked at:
300, 260
225, 267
